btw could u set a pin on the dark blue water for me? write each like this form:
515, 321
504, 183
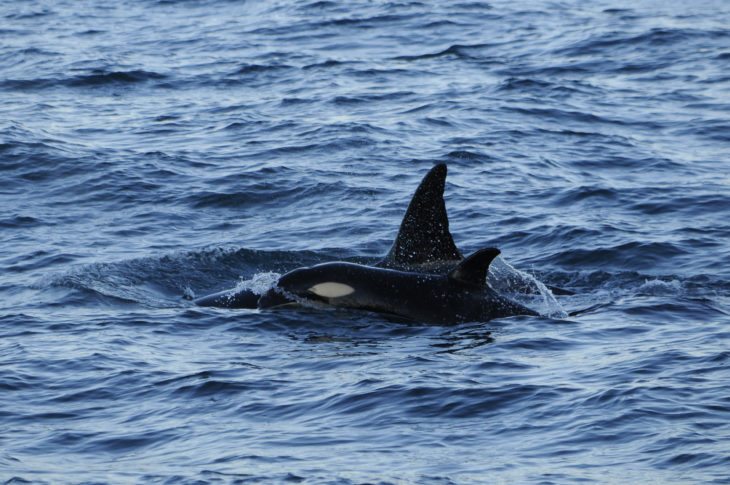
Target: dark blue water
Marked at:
152, 150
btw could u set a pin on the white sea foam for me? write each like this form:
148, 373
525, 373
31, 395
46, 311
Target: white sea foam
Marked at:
259, 283
525, 288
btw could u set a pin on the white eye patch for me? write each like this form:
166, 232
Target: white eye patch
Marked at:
331, 289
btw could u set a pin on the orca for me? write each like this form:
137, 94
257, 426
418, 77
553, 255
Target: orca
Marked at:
423, 243
461, 295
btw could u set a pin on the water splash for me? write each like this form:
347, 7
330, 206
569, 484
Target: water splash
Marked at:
657, 287
259, 283
525, 288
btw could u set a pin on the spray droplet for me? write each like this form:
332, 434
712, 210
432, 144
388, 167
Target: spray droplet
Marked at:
524, 288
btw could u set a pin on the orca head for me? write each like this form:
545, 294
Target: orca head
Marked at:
320, 283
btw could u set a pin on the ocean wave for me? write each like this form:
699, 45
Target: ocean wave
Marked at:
97, 78
163, 281
614, 42
458, 51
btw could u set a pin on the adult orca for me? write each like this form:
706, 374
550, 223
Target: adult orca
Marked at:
459, 296
423, 243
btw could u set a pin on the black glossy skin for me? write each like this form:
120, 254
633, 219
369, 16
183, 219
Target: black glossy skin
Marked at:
416, 296
230, 299
244, 299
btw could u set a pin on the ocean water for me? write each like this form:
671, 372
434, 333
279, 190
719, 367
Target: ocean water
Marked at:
152, 151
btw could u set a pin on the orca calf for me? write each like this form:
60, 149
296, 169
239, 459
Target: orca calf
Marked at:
462, 295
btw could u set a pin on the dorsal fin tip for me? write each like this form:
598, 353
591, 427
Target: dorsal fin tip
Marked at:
424, 235
475, 267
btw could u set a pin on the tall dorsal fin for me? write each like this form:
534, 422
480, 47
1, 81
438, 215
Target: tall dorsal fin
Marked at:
424, 235
474, 268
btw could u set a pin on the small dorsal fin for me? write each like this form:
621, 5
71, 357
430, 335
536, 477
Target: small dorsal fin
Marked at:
475, 267
424, 235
